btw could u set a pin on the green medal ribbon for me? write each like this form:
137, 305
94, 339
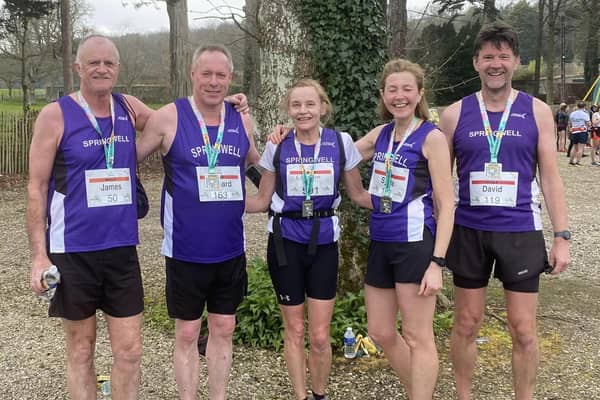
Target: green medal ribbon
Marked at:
107, 143
494, 141
212, 152
308, 176
387, 190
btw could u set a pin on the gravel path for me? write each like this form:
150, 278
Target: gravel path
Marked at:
32, 359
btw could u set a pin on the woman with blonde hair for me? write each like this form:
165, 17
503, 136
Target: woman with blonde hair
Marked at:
411, 226
300, 183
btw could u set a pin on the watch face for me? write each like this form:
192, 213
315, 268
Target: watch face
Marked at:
563, 234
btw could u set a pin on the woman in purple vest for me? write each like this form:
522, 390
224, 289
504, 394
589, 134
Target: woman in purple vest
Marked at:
411, 225
300, 182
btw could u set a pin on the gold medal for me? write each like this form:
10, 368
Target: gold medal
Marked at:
307, 208
385, 205
212, 181
493, 170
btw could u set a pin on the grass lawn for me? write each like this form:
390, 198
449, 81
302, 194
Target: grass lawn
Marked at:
16, 106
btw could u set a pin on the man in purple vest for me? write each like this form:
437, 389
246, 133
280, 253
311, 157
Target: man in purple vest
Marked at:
82, 217
205, 144
500, 137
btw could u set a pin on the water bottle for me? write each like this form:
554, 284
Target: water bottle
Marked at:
105, 388
349, 343
50, 280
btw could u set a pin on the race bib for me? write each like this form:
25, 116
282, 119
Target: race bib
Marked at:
500, 192
225, 184
108, 187
399, 181
322, 181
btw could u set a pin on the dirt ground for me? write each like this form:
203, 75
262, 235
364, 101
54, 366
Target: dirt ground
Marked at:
32, 358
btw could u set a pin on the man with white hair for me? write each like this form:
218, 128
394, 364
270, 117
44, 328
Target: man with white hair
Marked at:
82, 217
205, 145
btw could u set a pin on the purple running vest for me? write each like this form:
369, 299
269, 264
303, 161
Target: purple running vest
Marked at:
518, 153
72, 226
410, 217
299, 230
207, 232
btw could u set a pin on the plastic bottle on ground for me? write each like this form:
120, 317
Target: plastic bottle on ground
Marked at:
349, 343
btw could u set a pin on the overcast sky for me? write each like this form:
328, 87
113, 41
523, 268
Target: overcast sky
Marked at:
111, 17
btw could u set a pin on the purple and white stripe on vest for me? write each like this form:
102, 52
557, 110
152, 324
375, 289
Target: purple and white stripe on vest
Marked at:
518, 153
299, 230
194, 231
72, 225
414, 213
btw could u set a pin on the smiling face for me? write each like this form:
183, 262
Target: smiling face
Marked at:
97, 65
496, 66
305, 108
401, 95
211, 76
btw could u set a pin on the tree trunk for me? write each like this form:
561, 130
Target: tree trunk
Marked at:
284, 57
398, 28
251, 84
178, 48
489, 11
25, 83
590, 70
538, 48
67, 44
550, 53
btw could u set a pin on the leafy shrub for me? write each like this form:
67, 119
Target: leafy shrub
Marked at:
259, 322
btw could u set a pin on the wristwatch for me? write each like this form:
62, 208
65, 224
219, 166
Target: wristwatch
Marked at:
441, 261
563, 234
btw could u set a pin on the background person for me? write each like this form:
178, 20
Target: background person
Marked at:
595, 136
562, 120
579, 124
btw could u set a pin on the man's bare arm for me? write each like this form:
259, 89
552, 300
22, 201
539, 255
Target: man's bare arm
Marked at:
47, 133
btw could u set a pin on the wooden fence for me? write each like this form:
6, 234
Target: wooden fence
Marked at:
15, 137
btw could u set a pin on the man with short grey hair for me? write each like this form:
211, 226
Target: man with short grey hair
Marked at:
205, 144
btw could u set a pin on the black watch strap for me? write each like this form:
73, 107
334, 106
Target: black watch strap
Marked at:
563, 234
441, 261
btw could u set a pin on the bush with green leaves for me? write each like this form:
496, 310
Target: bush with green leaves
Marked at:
259, 322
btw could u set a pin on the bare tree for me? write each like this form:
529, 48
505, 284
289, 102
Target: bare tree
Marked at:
179, 47
134, 60
15, 31
67, 44
590, 70
398, 27
284, 56
538, 47
251, 60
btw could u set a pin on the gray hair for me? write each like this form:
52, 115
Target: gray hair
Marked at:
94, 36
212, 47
